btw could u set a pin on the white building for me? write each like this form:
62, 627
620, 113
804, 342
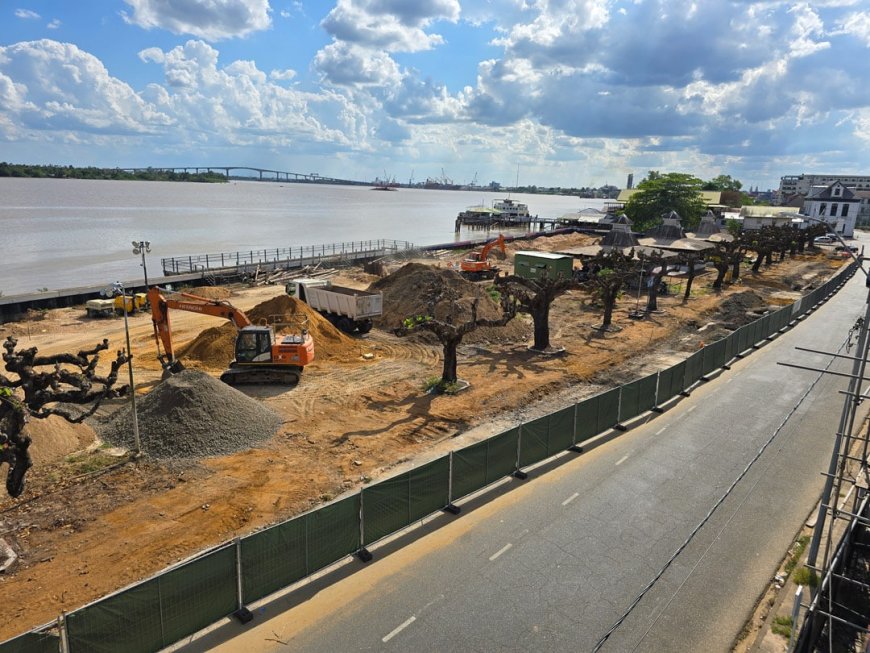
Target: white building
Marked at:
791, 185
835, 204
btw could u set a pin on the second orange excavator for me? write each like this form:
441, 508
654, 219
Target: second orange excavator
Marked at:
260, 355
477, 265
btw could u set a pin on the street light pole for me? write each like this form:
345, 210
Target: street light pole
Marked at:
116, 288
142, 247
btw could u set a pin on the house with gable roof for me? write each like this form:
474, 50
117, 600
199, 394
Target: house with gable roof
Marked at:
836, 204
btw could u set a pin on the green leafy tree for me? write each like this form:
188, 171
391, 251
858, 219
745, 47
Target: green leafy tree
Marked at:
723, 183
608, 273
673, 191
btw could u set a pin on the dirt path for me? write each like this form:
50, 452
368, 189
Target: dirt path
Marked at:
347, 421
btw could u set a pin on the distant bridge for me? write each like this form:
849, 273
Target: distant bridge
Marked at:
262, 174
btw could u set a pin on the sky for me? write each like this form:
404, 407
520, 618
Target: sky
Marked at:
564, 93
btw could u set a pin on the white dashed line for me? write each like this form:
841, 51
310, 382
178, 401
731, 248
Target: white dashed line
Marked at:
398, 629
729, 380
500, 551
691, 408
622, 460
661, 430
571, 498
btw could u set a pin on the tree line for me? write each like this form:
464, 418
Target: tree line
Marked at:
90, 172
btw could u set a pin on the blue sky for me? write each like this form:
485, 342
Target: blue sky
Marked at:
573, 92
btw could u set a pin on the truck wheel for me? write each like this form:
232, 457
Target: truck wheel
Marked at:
364, 326
345, 324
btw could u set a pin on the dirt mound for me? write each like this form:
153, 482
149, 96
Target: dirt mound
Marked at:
193, 415
405, 295
54, 438
741, 308
212, 292
215, 347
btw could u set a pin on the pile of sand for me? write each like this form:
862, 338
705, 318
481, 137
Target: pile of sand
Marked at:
405, 296
212, 292
215, 347
741, 308
193, 415
54, 438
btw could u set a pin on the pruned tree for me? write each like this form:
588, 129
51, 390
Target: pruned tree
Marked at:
452, 328
534, 297
655, 265
44, 386
609, 270
689, 259
724, 255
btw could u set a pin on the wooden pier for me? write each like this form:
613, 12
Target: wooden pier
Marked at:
530, 223
247, 263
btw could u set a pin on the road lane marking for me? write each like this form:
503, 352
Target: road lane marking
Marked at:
661, 430
386, 638
729, 380
500, 551
691, 408
572, 497
623, 459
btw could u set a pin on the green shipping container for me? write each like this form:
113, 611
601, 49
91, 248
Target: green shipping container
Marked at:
534, 265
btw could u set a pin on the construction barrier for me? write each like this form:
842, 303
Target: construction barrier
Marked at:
185, 599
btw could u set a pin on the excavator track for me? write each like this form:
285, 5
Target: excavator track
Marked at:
244, 375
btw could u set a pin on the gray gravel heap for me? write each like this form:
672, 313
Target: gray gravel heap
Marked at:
192, 415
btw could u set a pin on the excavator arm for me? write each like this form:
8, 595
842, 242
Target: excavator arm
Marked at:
160, 307
498, 242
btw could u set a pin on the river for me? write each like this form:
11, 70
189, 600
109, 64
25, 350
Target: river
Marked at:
64, 233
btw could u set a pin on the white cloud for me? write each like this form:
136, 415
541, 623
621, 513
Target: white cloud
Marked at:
57, 86
346, 64
857, 24
26, 14
392, 25
54, 24
283, 75
211, 20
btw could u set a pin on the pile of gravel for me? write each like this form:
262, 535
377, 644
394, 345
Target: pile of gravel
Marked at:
193, 415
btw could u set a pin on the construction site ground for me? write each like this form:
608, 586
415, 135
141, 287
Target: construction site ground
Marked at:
92, 521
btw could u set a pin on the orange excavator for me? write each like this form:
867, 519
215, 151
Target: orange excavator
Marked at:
477, 265
260, 356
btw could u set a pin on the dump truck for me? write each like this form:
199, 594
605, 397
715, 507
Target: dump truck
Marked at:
347, 309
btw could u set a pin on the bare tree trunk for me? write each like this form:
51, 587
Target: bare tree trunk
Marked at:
756, 266
689, 281
448, 372
721, 271
541, 319
609, 300
735, 271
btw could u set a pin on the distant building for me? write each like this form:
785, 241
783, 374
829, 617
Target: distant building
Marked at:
836, 204
630, 183
792, 185
756, 217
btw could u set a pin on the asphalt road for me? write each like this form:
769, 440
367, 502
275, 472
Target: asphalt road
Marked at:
552, 562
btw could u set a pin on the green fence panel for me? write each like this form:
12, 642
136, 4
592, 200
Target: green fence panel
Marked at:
666, 383
273, 558
628, 404
608, 410
766, 329
128, 621
430, 485
32, 643
469, 469
714, 356
533, 441
386, 508
333, 532
797, 309
694, 368
501, 454
744, 338
784, 317
756, 333
197, 594
731, 346
586, 422
646, 393
561, 430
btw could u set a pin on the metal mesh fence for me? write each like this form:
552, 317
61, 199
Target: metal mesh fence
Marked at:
36, 642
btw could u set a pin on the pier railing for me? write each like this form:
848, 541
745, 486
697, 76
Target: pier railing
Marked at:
283, 256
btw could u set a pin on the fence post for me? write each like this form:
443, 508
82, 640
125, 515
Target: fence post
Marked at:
518, 473
619, 426
795, 613
61, 630
656, 408
239, 599
363, 553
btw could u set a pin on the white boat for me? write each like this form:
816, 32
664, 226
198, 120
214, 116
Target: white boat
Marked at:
511, 209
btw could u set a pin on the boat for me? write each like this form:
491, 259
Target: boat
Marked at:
512, 210
387, 184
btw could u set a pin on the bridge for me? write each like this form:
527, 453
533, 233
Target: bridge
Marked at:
260, 174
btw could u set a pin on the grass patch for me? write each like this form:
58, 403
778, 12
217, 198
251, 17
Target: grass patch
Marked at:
87, 463
804, 576
796, 553
436, 385
782, 627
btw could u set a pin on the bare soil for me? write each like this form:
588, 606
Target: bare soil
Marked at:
93, 521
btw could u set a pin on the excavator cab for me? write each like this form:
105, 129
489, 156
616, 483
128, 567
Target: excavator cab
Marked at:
254, 344
476, 265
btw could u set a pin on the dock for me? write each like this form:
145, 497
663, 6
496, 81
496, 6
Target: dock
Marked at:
530, 224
